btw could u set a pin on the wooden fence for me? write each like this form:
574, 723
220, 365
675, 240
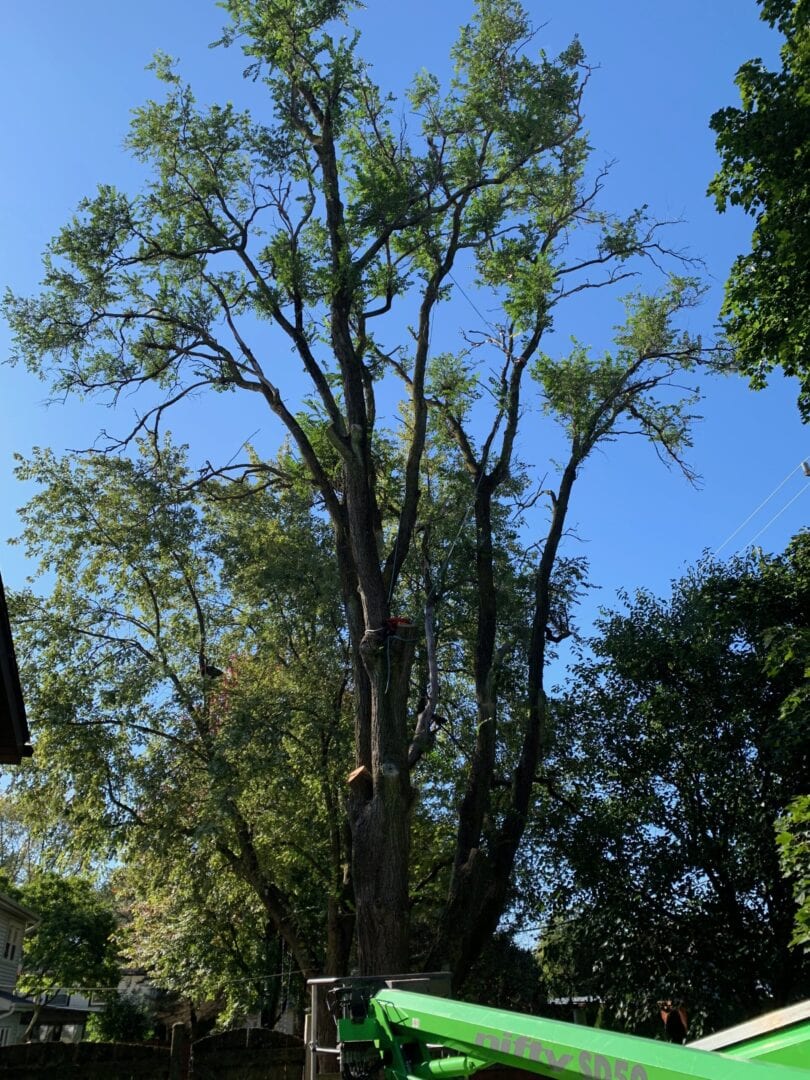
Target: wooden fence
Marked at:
245, 1054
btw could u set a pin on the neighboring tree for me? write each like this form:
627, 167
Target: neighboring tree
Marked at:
337, 227
203, 935
765, 152
668, 884
794, 843
72, 945
790, 648
188, 674
124, 1019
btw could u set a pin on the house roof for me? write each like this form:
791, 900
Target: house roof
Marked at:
779, 1020
49, 1014
19, 911
14, 734
11, 1002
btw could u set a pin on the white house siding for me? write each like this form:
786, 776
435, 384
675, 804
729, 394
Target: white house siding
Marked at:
8, 975
11, 1030
9, 966
13, 921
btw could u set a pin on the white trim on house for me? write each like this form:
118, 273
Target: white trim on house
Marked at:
18, 911
15, 919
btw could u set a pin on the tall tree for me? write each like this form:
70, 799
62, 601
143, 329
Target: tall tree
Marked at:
764, 148
669, 884
338, 228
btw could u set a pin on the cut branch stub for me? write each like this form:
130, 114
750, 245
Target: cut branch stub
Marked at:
360, 782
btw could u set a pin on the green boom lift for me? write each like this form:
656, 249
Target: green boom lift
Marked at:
391, 1029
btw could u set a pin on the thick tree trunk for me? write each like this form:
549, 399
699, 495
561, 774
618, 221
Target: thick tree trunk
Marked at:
485, 859
471, 872
380, 809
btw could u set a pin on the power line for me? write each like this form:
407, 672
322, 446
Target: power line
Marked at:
483, 318
754, 513
779, 514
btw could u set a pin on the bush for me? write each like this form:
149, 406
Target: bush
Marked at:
124, 1020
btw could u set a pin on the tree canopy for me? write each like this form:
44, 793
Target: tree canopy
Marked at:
72, 945
189, 673
794, 841
322, 233
764, 147
678, 747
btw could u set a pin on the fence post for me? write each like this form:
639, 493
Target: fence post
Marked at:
309, 1054
178, 1059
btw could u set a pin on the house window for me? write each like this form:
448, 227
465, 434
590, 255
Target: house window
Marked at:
12, 943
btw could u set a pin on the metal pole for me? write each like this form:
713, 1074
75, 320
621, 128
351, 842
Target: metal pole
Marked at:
313, 1031
308, 1071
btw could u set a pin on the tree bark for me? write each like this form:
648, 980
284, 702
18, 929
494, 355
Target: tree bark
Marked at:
482, 871
380, 815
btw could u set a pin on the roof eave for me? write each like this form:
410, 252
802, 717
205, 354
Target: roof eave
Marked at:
14, 734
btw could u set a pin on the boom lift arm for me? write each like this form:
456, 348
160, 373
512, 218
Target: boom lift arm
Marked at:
393, 1034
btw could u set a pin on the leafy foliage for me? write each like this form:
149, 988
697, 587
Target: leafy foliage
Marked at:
790, 650
505, 976
764, 147
676, 740
190, 735
72, 944
794, 843
123, 1020
325, 229
201, 933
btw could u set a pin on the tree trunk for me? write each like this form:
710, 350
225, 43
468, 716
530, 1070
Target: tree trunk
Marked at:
271, 990
484, 860
32, 1023
380, 809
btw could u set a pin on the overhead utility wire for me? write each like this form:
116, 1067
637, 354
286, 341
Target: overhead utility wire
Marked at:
779, 514
483, 318
754, 513
84, 990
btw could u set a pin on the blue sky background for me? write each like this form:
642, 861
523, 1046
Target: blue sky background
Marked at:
71, 73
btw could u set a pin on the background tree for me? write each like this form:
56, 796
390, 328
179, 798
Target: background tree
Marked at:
189, 727
72, 944
123, 1020
794, 842
790, 649
764, 147
670, 885
336, 229
506, 976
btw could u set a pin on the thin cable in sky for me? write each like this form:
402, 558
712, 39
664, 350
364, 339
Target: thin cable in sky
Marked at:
779, 514
472, 305
754, 513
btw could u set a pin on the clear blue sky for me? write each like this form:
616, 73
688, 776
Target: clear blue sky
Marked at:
70, 73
